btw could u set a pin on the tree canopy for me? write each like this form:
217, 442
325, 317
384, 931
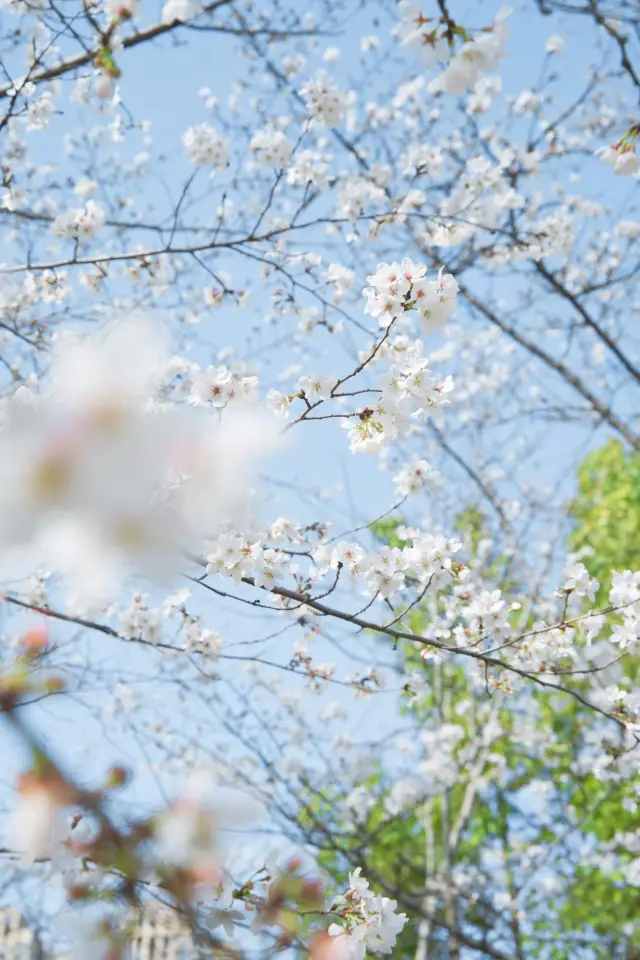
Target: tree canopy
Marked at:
320, 479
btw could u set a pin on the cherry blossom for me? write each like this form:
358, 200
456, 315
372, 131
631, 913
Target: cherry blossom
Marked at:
205, 147
416, 668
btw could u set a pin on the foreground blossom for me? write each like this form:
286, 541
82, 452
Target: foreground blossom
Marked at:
622, 157
371, 921
397, 288
93, 472
475, 58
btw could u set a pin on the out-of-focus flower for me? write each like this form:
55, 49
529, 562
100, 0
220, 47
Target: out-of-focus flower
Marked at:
95, 474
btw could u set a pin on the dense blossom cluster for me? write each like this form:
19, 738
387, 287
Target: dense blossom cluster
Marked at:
409, 391
218, 386
81, 223
475, 58
206, 147
371, 922
272, 147
327, 104
397, 288
428, 559
418, 32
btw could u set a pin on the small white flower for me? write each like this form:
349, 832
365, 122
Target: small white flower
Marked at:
555, 44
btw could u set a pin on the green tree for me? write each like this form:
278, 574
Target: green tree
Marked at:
606, 512
519, 789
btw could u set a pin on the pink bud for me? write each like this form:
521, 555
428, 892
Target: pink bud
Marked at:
326, 947
104, 87
34, 640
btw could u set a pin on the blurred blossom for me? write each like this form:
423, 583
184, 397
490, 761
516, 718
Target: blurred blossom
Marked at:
33, 818
96, 474
327, 947
93, 934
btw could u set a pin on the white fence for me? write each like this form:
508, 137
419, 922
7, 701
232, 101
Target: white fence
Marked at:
17, 941
159, 936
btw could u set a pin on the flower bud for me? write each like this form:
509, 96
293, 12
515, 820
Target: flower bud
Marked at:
104, 87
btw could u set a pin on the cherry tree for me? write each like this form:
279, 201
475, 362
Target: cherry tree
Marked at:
310, 319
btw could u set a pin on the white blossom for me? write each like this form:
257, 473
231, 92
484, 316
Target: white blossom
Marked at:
326, 103
206, 147
272, 147
372, 923
475, 58
181, 10
80, 223
555, 44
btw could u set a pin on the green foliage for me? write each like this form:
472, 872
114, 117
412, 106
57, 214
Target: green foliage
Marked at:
387, 531
606, 512
104, 60
591, 913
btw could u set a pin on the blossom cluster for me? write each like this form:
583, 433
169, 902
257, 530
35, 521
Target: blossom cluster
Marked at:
417, 475
625, 593
206, 147
409, 391
272, 147
417, 32
578, 581
466, 68
233, 555
427, 558
622, 155
371, 922
40, 111
218, 386
141, 621
80, 223
474, 59
326, 103
396, 288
